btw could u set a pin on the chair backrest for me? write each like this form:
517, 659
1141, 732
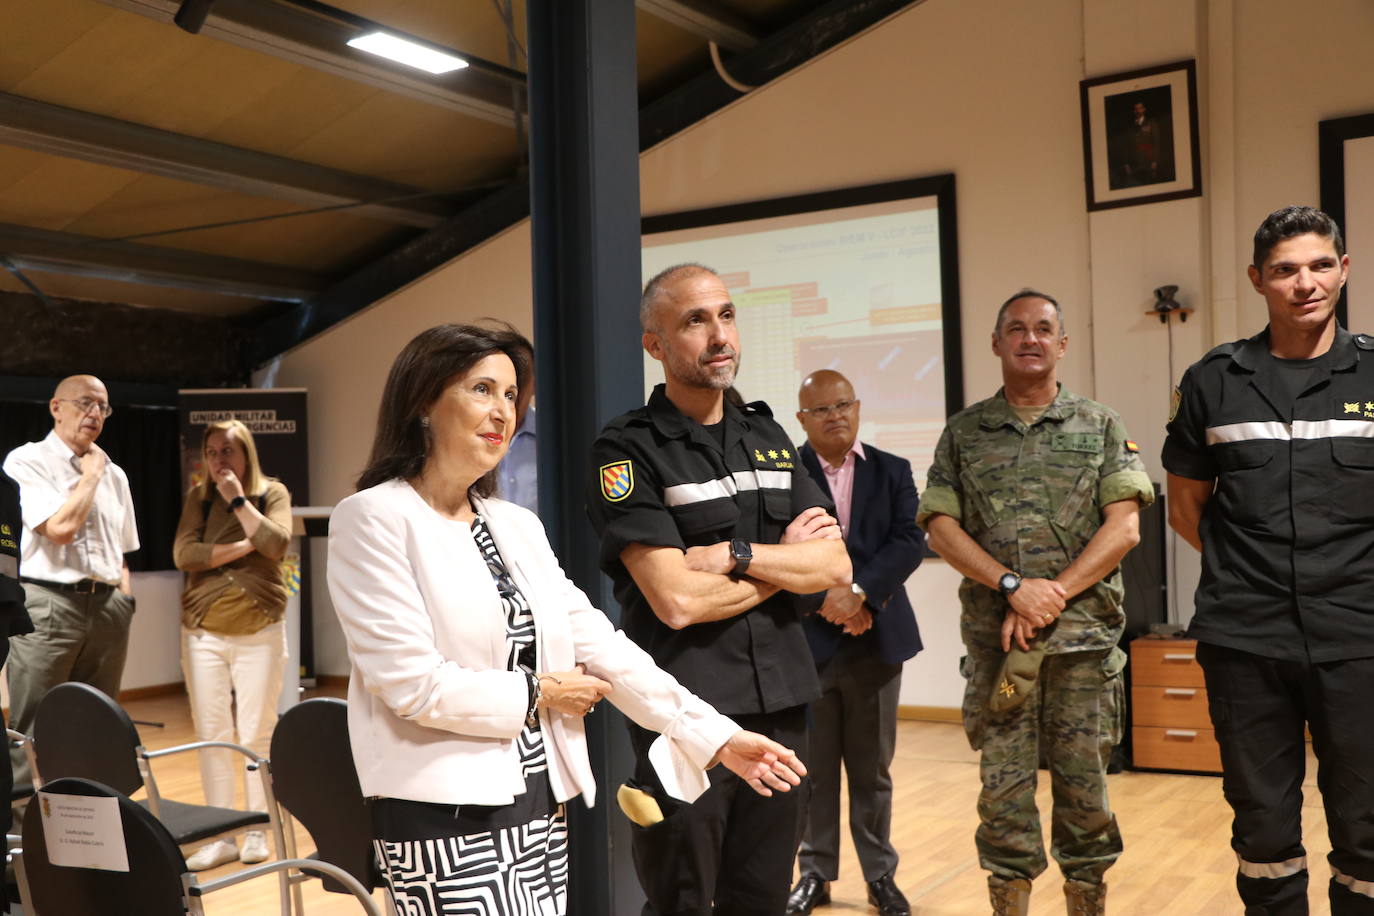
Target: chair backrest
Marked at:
151, 887
79, 731
313, 778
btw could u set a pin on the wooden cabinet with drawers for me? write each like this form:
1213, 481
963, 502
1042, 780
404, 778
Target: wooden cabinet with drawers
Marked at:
1171, 729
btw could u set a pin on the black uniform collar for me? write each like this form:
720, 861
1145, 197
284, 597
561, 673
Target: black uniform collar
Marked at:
675, 424
1253, 354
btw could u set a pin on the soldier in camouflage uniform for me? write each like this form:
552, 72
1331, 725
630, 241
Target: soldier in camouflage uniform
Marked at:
1035, 496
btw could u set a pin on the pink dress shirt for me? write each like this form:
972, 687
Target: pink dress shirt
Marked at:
841, 481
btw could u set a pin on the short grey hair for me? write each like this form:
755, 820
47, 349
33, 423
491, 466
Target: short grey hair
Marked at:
1028, 293
656, 288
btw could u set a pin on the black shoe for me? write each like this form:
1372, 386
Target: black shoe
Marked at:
811, 891
884, 894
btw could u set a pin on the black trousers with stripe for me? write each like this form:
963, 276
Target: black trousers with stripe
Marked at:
1259, 707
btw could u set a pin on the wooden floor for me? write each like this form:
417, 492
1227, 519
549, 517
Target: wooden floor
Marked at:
1177, 862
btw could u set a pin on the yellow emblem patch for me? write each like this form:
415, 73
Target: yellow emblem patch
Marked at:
617, 480
1007, 689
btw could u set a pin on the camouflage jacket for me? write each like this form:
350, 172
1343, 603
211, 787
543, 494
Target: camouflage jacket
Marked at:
1032, 497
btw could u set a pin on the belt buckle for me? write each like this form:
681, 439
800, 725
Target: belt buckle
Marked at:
84, 587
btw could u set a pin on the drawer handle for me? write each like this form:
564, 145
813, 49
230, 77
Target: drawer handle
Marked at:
1179, 692
1180, 733
1179, 656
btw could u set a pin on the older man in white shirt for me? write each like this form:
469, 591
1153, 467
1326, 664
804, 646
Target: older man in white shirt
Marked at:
78, 523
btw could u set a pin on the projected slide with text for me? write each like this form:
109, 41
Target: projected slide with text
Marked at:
855, 289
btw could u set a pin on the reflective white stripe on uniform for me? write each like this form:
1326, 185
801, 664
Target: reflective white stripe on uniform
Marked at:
1331, 429
758, 480
1248, 432
1272, 869
1298, 429
684, 494
1355, 884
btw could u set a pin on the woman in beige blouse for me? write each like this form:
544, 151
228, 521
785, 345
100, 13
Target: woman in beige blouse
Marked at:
233, 533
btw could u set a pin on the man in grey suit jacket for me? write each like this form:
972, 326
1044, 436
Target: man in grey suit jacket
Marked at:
859, 638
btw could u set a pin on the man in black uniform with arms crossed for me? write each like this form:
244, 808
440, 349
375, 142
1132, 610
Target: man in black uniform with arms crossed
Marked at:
710, 528
1270, 457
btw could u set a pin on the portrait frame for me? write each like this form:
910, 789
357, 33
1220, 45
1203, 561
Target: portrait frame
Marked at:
1140, 136
1346, 160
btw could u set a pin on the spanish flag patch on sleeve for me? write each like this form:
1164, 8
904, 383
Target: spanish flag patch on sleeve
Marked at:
1132, 445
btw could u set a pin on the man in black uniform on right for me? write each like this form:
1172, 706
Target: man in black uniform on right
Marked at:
1270, 457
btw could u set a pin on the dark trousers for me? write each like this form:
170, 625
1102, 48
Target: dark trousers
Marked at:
1259, 707
76, 637
854, 723
730, 852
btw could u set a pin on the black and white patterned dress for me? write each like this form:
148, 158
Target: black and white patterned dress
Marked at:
474, 860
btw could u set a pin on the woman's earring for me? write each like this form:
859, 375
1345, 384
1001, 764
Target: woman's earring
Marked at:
424, 421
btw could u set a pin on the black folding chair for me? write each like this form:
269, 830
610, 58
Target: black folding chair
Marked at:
157, 882
315, 782
79, 731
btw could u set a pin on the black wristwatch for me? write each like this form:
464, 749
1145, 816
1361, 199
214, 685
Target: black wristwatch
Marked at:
237, 503
1009, 583
741, 550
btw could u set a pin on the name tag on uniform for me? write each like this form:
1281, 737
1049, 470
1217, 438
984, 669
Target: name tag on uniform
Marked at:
1076, 442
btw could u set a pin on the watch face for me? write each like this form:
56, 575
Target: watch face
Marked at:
1009, 581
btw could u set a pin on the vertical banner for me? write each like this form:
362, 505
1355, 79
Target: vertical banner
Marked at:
277, 419
275, 416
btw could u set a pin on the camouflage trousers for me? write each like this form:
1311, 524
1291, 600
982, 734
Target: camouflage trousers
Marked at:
1072, 719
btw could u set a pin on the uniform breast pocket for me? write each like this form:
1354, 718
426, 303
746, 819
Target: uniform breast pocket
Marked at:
981, 511
1247, 492
716, 517
1352, 488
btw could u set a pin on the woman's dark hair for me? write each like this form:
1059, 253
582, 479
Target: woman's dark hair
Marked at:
419, 375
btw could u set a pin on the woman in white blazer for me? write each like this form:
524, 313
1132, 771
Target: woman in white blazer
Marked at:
475, 659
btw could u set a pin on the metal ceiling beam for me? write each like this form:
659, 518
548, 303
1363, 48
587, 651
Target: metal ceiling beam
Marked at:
82, 255
80, 135
393, 270
705, 20
303, 37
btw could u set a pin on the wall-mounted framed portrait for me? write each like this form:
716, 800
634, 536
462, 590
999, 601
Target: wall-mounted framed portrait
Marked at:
1140, 136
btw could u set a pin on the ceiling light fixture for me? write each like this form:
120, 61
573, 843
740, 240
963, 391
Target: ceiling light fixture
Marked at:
406, 52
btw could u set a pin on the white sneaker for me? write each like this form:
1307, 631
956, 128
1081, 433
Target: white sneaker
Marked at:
254, 848
212, 854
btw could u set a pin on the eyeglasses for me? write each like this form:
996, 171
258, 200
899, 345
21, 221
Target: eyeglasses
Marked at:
86, 405
826, 409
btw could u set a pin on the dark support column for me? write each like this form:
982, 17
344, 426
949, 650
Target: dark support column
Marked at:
584, 171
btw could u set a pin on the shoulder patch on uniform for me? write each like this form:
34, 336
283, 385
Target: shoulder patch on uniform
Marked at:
1364, 341
1174, 400
617, 480
1132, 445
